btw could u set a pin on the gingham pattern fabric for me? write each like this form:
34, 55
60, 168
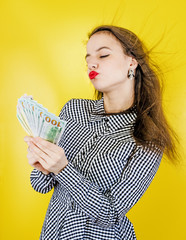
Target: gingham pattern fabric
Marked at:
106, 175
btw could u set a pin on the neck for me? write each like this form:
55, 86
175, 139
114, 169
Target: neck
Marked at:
115, 102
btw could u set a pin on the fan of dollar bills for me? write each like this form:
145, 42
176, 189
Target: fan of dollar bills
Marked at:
37, 121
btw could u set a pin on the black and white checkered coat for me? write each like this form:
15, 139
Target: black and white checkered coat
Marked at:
106, 175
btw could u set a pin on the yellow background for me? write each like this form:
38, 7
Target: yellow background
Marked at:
42, 49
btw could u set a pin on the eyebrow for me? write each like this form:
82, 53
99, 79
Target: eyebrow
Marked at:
87, 55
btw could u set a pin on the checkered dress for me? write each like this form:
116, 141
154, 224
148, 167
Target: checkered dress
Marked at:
106, 175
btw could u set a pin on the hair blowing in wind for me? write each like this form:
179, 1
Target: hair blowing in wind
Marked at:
151, 127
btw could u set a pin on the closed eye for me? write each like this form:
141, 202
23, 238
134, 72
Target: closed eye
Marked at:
104, 56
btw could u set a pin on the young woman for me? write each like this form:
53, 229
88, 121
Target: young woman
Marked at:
111, 148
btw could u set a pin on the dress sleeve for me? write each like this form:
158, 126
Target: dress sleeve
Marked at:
106, 209
40, 182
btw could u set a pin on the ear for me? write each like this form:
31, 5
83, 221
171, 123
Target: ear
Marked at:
133, 63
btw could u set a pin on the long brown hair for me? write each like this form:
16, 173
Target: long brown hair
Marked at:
151, 125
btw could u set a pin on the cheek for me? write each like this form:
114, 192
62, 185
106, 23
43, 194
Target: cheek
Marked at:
123, 66
120, 64
119, 70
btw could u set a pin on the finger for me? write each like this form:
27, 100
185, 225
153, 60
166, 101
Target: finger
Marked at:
50, 148
29, 148
32, 158
33, 161
39, 167
39, 152
28, 138
43, 164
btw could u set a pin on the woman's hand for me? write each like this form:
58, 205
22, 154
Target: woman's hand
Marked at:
33, 161
45, 156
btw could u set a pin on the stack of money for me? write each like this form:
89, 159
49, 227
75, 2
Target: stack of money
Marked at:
37, 121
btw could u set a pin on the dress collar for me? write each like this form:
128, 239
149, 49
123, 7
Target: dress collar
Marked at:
114, 121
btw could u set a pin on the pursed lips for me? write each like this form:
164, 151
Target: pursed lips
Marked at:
93, 74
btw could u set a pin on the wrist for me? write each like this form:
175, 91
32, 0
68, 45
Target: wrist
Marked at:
57, 172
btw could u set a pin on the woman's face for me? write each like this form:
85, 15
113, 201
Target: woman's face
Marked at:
105, 56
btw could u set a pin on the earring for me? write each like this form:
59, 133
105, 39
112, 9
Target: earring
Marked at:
131, 74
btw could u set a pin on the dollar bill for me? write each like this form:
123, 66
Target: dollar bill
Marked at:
37, 121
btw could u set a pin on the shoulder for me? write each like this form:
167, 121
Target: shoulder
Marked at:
150, 155
80, 102
144, 161
76, 108
150, 152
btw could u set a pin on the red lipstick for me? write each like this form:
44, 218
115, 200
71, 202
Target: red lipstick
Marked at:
93, 74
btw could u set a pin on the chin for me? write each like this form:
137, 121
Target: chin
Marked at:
99, 87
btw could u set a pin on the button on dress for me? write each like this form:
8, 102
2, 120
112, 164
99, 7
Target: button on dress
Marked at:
106, 175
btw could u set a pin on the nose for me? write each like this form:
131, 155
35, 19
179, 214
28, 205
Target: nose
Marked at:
92, 66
